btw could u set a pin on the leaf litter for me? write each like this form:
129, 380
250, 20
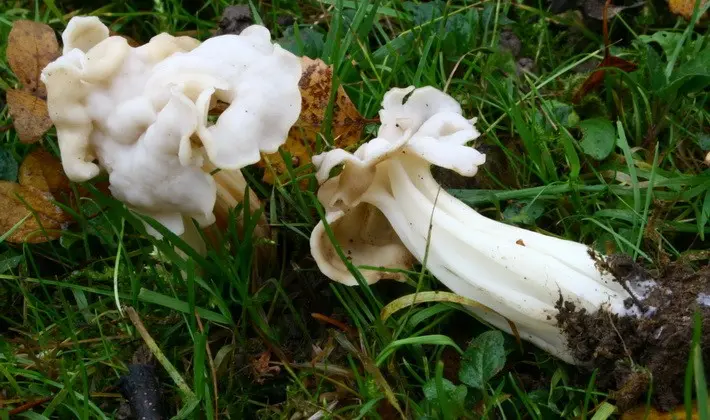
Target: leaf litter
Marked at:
31, 200
31, 46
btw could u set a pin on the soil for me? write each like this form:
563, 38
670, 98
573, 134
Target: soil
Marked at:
235, 19
636, 354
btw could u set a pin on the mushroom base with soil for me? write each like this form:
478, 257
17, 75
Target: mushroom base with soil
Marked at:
636, 354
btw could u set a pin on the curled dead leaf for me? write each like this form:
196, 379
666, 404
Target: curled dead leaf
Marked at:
41, 183
30, 47
346, 126
29, 113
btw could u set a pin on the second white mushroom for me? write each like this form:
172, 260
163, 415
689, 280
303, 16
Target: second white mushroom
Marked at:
387, 187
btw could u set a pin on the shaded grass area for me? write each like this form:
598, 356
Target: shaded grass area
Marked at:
623, 170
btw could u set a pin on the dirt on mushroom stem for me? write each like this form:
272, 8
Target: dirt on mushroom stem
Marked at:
632, 354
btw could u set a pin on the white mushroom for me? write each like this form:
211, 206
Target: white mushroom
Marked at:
518, 273
141, 114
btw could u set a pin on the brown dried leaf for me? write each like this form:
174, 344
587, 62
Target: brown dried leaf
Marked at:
41, 182
29, 115
30, 47
261, 367
44, 225
347, 123
41, 170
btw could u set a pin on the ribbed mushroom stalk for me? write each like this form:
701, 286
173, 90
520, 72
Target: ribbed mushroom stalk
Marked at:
517, 273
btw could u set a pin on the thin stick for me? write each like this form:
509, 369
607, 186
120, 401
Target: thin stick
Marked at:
335, 322
210, 359
29, 406
153, 346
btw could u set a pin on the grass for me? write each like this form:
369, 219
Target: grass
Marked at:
65, 341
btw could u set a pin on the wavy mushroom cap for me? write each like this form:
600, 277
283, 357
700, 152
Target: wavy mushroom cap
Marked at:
143, 112
419, 127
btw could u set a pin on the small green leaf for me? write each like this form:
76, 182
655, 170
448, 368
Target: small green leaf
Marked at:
691, 76
704, 142
655, 68
598, 137
559, 112
523, 212
457, 35
667, 40
8, 166
424, 13
483, 359
454, 393
303, 41
9, 261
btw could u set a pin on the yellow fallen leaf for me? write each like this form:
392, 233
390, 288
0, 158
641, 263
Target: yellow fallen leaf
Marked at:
41, 182
29, 114
30, 47
41, 170
346, 126
685, 8
18, 203
639, 413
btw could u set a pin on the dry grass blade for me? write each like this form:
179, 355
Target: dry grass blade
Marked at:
425, 297
159, 355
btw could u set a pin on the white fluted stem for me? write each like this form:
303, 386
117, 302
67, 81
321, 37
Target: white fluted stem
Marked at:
518, 273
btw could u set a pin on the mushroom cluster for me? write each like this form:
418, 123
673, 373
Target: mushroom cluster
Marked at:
386, 211
141, 114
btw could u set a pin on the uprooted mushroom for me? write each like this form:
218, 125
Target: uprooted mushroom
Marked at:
519, 274
385, 210
141, 114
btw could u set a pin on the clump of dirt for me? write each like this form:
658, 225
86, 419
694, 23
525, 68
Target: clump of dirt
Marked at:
635, 354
